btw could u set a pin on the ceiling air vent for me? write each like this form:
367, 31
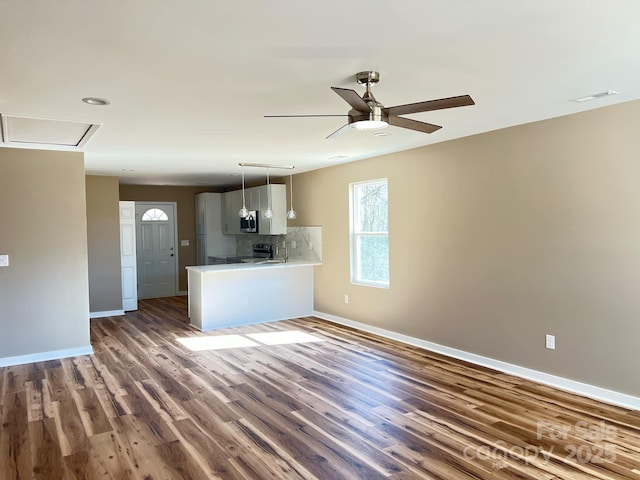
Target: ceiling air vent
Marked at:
30, 131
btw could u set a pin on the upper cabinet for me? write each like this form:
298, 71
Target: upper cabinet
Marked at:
256, 198
231, 205
276, 225
201, 225
209, 222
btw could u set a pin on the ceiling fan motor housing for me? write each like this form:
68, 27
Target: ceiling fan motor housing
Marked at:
375, 115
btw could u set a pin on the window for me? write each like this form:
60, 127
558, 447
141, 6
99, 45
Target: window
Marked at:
154, 215
369, 224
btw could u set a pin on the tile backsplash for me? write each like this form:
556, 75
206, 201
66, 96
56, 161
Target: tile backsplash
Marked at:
302, 243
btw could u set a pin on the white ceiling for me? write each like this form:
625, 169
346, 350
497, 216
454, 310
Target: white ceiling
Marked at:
190, 81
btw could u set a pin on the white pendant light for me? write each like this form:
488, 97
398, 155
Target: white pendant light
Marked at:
291, 214
243, 212
268, 213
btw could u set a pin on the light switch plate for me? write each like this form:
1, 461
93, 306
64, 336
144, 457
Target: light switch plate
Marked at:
550, 342
4, 260
184, 243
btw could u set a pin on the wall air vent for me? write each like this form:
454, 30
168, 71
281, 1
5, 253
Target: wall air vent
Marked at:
42, 132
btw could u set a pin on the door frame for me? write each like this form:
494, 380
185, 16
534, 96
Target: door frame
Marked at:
128, 255
174, 206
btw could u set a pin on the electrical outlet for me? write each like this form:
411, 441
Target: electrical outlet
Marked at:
310, 246
293, 244
346, 299
550, 342
4, 260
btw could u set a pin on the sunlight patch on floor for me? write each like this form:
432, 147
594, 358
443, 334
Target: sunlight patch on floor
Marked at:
198, 344
219, 342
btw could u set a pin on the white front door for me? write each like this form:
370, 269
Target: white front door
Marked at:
156, 252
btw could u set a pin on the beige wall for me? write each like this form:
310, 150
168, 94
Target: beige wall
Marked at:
44, 300
185, 206
499, 239
103, 239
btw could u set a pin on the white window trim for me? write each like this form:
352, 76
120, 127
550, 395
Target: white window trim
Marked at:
353, 238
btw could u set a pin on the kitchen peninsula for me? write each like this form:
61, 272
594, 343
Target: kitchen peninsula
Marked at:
241, 294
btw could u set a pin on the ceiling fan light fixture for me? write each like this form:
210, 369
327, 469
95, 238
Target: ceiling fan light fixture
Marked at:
369, 124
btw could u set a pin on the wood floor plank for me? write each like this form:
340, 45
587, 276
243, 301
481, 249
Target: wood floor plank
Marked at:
71, 433
208, 451
350, 405
105, 459
91, 413
46, 456
15, 446
179, 464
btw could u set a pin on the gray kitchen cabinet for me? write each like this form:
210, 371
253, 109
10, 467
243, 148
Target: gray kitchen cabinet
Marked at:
256, 199
210, 240
277, 225
231, 205
252, 198
201, 227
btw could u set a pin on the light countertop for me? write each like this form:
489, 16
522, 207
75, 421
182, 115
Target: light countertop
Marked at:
249, 266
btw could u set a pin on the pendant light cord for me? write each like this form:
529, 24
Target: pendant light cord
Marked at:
244, 206
268, 192
291, 190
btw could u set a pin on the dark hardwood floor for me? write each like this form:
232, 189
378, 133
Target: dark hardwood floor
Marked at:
348, 406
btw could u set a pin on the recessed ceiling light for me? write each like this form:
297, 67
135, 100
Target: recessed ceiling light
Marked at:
339, 157
95, 101
588, 98
382, 134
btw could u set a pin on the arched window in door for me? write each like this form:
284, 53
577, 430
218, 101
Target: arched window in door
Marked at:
154, 215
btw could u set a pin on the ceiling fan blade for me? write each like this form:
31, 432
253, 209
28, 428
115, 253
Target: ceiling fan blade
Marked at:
353, 99
341, 131
306, 116
461, 101
413, 125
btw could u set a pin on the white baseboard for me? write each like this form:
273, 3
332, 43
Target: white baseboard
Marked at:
108, 313
45, 356
182, 293
591, 391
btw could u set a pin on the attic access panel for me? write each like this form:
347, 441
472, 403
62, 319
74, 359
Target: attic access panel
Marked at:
18, 130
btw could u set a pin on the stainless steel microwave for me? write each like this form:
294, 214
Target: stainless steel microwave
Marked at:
249, 224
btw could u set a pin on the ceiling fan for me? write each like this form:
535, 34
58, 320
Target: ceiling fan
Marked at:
367, 113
